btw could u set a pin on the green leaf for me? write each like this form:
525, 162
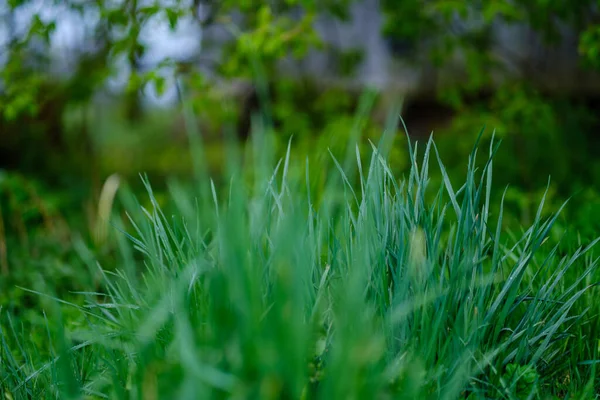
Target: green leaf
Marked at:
149, 11
172, 17
159, 85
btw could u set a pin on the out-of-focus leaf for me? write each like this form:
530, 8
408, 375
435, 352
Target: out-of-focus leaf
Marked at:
172, 17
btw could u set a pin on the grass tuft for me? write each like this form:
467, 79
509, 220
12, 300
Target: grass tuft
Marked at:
381, 288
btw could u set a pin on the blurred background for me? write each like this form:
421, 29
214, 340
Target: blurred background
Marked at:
94, 93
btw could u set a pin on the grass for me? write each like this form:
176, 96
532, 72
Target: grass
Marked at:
377, 287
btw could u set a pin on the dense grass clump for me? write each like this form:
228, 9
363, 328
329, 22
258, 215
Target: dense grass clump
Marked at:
385, 288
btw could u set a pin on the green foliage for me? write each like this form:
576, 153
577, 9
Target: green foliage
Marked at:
449, 27
534, 126
589, 46
383, 288
421, 20
540, 134
265, 34
524, 377
269, 40
36, 247
320, 279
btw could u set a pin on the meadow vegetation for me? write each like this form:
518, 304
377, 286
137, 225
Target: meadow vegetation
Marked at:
300, 244
379, 286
